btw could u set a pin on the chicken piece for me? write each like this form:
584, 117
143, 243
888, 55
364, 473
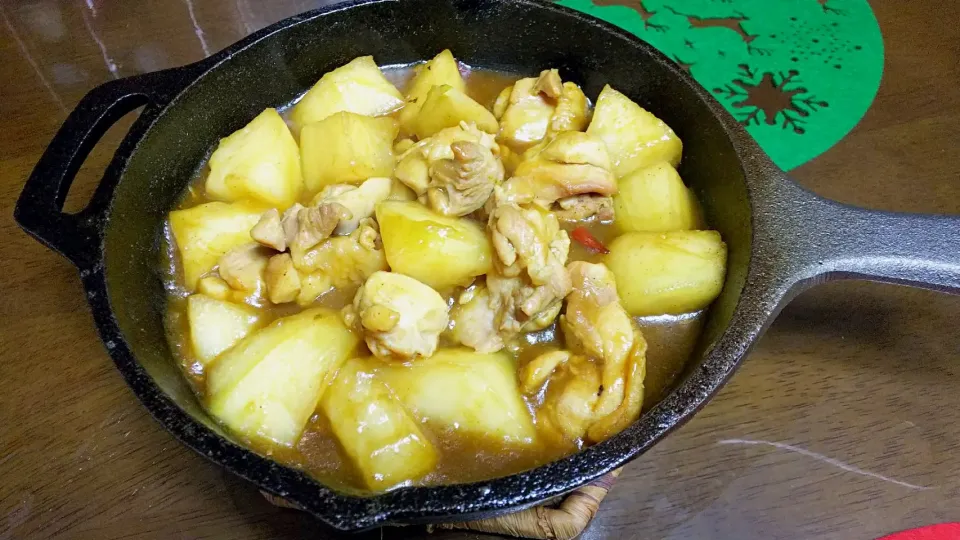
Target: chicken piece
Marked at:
360, 200
400, 317
585, 207
525, 115
290, 222
522, 307
414, 167
549, 84
595, 324
573, 163
475, 322
537, 371
571, 112
629, 410
528, 238
463, 184
569, 404
531, 281
345, 260
596, 387
242, 267
282, 279
316, 224
269, 231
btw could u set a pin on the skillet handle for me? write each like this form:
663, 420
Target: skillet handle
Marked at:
838, 241
39, 210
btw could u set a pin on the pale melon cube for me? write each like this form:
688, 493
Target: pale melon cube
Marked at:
261, 161
357, 87
347, 148
437, 250
206, 232
667, 273
267, 386
377, 434
441, 70
215, 325
634, 136
468, 392
446, 107
655, 199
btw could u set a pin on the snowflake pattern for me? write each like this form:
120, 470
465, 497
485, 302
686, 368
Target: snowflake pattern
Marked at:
770, 98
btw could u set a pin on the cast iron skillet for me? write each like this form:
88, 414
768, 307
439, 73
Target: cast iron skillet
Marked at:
781, 238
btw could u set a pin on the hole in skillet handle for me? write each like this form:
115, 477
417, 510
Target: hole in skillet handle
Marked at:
39, 209
95, 165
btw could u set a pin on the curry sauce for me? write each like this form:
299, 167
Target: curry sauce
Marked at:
461, 458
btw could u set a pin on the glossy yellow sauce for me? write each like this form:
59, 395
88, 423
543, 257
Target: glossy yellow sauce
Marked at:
462, 459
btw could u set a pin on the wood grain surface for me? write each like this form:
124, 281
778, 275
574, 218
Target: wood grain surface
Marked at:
845, 422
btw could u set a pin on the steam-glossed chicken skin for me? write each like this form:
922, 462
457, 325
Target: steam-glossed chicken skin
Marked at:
438, 281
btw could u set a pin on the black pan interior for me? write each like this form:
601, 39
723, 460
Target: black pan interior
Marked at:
282, 62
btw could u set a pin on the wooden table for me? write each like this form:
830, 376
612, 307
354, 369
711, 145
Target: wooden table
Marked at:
845, 422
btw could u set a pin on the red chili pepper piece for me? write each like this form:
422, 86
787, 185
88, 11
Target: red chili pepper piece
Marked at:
583, 236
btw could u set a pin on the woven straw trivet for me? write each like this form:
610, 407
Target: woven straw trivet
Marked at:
561, 521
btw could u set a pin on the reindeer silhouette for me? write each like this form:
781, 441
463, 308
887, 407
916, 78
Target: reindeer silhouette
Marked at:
825, 5
636, 5
733, 22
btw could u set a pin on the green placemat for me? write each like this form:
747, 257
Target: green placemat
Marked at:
799, 74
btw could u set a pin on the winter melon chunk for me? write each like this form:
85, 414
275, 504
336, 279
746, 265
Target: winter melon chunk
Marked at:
462, 390
267, 385
206, 232
378, 435
634, 136
438, 250
347, 148
668, 272
215, 325
261, 161
357, 87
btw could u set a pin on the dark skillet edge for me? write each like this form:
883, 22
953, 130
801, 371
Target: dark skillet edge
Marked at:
756, 307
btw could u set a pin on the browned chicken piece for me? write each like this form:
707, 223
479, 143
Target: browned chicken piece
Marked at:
537, 371
474, 321
534, 110
344, 261
454, 171
359, 200
629, 410
568, 408
282, 279
400, 317
530, 280
530, 239
524, 113
572, 111
291, 223
269, 231
596, 324
463, 184
317, 224
275, 231
573, 163
584, 207
522, 307
549, 84
596, 387
242, 267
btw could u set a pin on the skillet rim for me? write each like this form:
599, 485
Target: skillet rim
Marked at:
758, 301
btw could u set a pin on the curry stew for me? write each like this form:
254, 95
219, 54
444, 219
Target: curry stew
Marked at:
433, 274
